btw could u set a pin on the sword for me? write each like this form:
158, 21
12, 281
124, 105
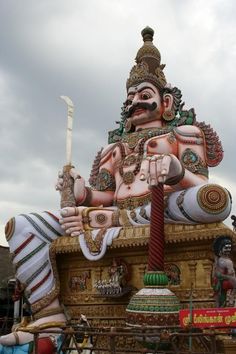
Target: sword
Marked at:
67, 193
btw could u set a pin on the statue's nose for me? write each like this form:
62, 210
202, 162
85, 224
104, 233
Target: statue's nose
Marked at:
136, 99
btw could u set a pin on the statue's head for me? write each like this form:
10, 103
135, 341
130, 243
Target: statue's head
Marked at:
149, 97
222, 246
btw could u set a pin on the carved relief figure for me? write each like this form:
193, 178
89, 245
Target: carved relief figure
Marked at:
224, 280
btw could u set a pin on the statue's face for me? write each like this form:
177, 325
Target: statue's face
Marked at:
143, 104
226, 249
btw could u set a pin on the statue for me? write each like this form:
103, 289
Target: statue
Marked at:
157, 141
224, 279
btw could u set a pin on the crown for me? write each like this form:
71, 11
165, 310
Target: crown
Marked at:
148, 67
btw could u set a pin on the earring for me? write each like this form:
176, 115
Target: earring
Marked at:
168, 115
128, 125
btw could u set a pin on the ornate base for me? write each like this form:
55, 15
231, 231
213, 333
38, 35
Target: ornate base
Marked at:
188, 260
153, 307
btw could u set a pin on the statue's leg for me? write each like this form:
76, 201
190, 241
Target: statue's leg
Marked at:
201, 204
29, 237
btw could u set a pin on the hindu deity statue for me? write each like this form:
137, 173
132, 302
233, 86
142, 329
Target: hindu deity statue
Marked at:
157, 142
224, 279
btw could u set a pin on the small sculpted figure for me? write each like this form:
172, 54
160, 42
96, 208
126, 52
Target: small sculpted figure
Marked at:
224, 279
157, 141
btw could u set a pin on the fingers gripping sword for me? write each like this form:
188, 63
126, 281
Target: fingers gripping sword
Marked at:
67, 194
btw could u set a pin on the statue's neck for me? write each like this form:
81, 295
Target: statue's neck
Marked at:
153, 124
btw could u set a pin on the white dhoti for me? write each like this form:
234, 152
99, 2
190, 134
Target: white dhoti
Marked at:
30, 235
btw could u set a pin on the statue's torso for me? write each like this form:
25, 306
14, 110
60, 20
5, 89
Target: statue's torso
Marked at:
127, 160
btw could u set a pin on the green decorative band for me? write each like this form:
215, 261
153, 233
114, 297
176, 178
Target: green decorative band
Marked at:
155, 279
153, 303
29, 255
37, 227
36, 273
46, 224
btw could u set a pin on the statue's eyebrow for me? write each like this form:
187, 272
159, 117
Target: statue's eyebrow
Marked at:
140, 90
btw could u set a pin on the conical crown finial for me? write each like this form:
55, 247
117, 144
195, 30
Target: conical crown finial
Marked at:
147, 34
148, 59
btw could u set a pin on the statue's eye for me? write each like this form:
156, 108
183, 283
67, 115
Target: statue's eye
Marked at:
145, 96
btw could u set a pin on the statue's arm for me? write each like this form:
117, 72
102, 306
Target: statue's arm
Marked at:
192, 155
102, 182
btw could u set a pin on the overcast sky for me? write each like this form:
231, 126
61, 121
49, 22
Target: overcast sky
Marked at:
85, 50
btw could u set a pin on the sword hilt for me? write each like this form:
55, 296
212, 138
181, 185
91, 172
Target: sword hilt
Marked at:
67, 193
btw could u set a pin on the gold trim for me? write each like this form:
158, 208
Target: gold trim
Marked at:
116, 218
139, 236
133, 202
124, 220
49, 312
40, 327
212, 198
9, 229
54, 293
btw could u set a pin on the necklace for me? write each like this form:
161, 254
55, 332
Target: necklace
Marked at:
133, 139
129, 176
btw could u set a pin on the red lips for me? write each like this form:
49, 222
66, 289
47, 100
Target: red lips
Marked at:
138, 111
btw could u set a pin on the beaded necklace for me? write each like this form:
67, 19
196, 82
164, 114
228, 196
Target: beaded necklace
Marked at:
132, 139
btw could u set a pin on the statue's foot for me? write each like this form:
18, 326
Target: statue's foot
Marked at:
23, 335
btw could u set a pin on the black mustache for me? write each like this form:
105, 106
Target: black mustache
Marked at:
144, 105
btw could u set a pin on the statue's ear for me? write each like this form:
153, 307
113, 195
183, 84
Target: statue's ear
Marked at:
168, 101
168, 107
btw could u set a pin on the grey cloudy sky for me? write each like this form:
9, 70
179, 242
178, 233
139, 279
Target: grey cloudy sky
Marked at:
85, 49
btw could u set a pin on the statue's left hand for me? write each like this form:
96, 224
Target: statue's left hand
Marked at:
71, 220
158, 168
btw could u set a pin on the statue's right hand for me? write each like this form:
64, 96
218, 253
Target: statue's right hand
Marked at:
79, 185
59, 182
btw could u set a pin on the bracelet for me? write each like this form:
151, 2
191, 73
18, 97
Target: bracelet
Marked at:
84, 197
85, 218
17, 339
174, 180
88, 197
115, 218
179, 202
86, 200
101, 218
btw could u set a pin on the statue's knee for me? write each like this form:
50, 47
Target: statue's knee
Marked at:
10, 228
214, 199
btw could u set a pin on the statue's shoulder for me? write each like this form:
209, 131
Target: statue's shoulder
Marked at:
102, 156
203, 134
188, 130
189, 134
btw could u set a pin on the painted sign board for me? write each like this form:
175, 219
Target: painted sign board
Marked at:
210, 317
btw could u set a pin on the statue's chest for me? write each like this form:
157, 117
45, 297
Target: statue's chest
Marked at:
165, 144
129, 152
128, 156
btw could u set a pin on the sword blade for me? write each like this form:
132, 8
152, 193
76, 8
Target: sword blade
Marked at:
70, 111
